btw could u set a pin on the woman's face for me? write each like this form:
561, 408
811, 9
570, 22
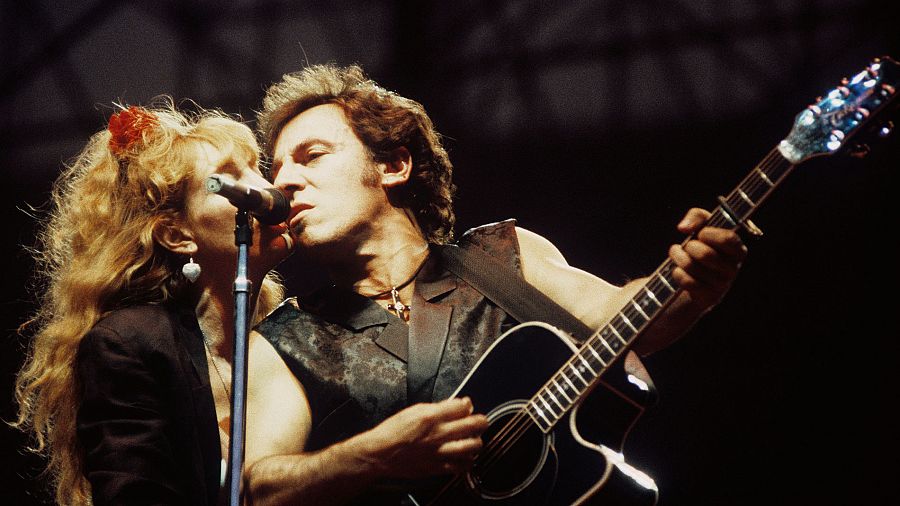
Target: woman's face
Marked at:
211, 217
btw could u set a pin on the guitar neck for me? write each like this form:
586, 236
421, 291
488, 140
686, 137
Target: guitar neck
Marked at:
576, 377
823, 128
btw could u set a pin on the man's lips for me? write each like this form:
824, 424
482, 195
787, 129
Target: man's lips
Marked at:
296, 210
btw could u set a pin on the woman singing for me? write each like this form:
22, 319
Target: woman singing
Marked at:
127, 384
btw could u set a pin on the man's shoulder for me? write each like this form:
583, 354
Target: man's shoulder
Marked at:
491, 236
489, 229
296, 313
288, 309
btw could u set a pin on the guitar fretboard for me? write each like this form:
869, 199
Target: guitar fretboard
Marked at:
576, 377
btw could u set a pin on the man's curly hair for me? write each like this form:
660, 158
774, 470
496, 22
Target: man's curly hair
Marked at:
383, 121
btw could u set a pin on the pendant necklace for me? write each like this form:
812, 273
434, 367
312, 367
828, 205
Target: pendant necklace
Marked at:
396, 305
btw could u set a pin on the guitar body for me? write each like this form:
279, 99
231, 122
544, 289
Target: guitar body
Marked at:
556, 468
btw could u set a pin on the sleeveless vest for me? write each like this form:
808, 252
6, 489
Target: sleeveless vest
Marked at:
359, 364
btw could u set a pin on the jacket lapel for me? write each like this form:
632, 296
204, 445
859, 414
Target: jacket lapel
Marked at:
188, 332
429, 326
428, 329
393, 339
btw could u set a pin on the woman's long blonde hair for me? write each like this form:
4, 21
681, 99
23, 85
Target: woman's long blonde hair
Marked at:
96, 252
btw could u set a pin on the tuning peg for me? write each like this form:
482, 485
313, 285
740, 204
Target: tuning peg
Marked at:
886, 129
835, 140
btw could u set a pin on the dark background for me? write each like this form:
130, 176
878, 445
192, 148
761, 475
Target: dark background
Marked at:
596, 124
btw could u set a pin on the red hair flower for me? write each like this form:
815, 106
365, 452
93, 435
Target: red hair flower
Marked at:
128, 126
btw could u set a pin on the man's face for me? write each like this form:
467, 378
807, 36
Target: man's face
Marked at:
333, 184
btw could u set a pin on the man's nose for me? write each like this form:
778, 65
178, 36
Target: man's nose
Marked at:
289, 178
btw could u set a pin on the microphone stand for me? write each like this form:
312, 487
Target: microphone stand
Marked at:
243, 238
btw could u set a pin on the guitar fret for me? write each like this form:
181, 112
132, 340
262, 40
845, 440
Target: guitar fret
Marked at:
666, 282
575, 370
636, 315
731, 222
645, 305
615, 341
764, 177
722, 219
757, 191
562, 391
779, 168
566, 377
608, 353
627, 321
739, 206
746, 198
553, 397
547, 405
588, 365
608, 346
652, 296
540, 414
616, 332
640, 310
659, 290
596, 355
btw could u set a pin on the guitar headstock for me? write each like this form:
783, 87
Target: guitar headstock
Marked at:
861, 103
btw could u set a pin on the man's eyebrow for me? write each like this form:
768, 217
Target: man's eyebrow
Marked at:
298, 149
306, 143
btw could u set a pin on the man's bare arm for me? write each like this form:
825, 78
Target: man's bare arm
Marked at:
422, 440
706, 266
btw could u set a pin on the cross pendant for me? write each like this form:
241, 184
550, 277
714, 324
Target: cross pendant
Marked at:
400, 309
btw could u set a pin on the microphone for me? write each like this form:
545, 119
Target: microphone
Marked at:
268, 205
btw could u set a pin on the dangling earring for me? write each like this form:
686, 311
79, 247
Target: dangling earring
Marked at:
191, 270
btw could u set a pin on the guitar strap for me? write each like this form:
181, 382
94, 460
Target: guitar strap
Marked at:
509, 290
521, 300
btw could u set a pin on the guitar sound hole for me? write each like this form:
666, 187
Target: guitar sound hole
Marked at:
514, 453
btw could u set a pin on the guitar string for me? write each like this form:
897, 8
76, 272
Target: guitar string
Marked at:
520, 417
756, 182
515, 428
512, 432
